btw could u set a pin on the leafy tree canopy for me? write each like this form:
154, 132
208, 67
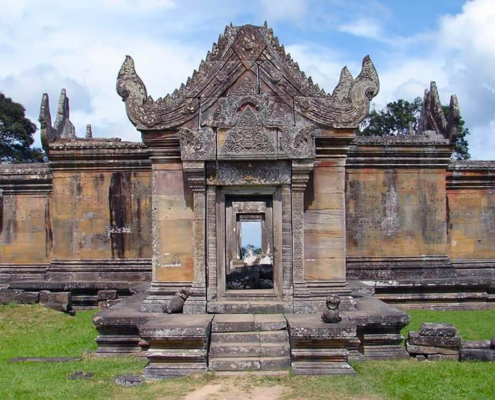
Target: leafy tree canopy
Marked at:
16, 134
401, 117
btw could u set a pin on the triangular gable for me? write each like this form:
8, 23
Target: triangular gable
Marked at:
255, 52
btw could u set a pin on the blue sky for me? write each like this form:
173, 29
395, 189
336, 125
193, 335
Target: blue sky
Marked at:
46, 45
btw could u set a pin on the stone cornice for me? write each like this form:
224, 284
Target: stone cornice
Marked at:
98, 154
470, 174
25, 178
412, 151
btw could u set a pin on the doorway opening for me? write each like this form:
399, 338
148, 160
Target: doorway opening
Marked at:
249, 243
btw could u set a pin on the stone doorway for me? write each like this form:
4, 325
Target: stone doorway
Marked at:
249, 244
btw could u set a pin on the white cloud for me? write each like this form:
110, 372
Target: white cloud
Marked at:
47, 45
363, 27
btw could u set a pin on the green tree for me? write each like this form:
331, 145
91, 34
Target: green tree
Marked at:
16, 134
402, 117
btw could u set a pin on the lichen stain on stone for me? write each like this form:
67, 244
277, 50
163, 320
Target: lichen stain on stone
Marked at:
118, 195
11, 225
48, 230
390, 201
355, 211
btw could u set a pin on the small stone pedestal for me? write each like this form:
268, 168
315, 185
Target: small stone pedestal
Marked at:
178, 345
318, 348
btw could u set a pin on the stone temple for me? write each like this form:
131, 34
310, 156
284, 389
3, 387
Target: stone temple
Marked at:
250, 200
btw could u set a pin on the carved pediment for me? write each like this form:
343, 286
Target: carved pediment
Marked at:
252, 50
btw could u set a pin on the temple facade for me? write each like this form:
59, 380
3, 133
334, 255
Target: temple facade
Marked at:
251, 193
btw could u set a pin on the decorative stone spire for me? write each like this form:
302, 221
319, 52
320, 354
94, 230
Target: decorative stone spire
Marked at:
63, 127
433, 118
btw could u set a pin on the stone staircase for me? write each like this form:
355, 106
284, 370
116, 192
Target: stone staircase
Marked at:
249, 342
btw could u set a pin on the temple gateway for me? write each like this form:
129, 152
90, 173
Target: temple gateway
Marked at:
249, 208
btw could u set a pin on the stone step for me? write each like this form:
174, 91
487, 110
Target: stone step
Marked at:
254, 373
234, 364
249, 337
235, 337
275, 350
234, 350
248, 322
249, 364
245, 307
274, 336
245, 350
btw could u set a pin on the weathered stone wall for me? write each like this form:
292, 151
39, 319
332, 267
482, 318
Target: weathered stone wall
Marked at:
396, 212
101, 214
25, 227
396, 209
471, 217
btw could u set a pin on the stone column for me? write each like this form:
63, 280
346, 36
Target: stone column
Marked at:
195, 173
300, 178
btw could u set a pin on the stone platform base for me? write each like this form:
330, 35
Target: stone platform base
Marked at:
318, 348
180, 344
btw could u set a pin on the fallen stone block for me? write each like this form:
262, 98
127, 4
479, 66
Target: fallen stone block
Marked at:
476, 355
480, 344
492, 343
415, 338
81, 375
129, 380
414, 349
58, 301
18, 296
431, 329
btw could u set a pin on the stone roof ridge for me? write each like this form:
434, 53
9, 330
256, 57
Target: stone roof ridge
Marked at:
238, 49
433, 117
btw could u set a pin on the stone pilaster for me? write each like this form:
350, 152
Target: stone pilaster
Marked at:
195, 173
300, 178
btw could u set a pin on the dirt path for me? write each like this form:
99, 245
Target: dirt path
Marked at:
229, 391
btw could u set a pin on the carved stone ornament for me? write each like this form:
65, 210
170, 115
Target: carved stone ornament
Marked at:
349, 103
298, 142
255, 49
63, 127
247, 138
249, 173
433, 118
197, 144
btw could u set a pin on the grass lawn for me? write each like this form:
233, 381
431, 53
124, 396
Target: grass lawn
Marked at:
36, 331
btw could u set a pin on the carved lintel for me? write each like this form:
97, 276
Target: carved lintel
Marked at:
197, 144
225, 173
